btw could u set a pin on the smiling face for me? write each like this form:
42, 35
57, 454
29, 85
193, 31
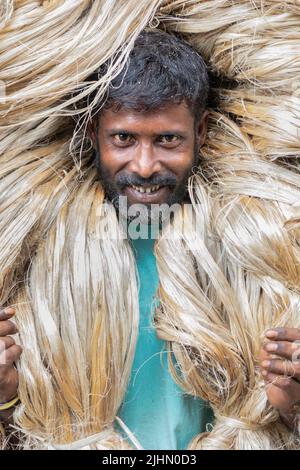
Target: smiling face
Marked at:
148, 156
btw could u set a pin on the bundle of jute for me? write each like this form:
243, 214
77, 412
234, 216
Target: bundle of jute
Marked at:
238, 271
64, 263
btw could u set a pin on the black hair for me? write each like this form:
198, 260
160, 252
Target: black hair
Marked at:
161, 68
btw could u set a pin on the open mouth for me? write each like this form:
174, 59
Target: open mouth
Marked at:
151, 194
151, 189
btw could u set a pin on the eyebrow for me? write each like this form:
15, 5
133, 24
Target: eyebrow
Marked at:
122, 130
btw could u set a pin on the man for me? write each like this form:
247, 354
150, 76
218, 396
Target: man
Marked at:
148, 135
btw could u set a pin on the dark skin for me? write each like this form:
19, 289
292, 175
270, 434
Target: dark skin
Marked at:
147, 147
144, 145
10, 352
280, 366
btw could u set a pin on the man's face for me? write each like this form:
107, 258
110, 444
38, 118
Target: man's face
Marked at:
148, 156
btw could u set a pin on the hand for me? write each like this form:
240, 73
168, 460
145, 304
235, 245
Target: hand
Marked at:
9, 353
280, 366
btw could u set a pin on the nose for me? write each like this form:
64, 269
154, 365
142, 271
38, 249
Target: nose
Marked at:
145, 162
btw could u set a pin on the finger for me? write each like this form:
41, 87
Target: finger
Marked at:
8, 328
283, 334
279, 367
285, 349
6, 342
9, 381
287, 384
10, 355
280, 381
265, 356
7, 313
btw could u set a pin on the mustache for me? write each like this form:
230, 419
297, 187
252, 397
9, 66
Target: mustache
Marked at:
126, 179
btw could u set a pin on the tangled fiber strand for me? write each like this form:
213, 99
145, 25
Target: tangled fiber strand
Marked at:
64, 264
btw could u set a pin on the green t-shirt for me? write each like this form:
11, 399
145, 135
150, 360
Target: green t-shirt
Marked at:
155, 409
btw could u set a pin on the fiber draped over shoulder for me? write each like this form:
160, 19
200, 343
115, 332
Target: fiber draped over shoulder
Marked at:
70, 273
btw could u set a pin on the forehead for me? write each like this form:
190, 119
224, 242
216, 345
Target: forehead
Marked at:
171, 116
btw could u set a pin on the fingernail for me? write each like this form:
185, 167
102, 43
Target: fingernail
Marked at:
265, 363
271, 347
271, 333
9, 311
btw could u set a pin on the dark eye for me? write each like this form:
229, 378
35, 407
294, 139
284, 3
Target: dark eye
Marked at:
123, 138
168, 139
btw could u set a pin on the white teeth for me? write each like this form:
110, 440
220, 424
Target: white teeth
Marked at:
147, 190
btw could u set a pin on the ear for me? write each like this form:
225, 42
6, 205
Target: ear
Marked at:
202, 128
91, 132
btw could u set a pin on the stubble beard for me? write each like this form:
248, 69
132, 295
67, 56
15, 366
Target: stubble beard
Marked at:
150, 213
